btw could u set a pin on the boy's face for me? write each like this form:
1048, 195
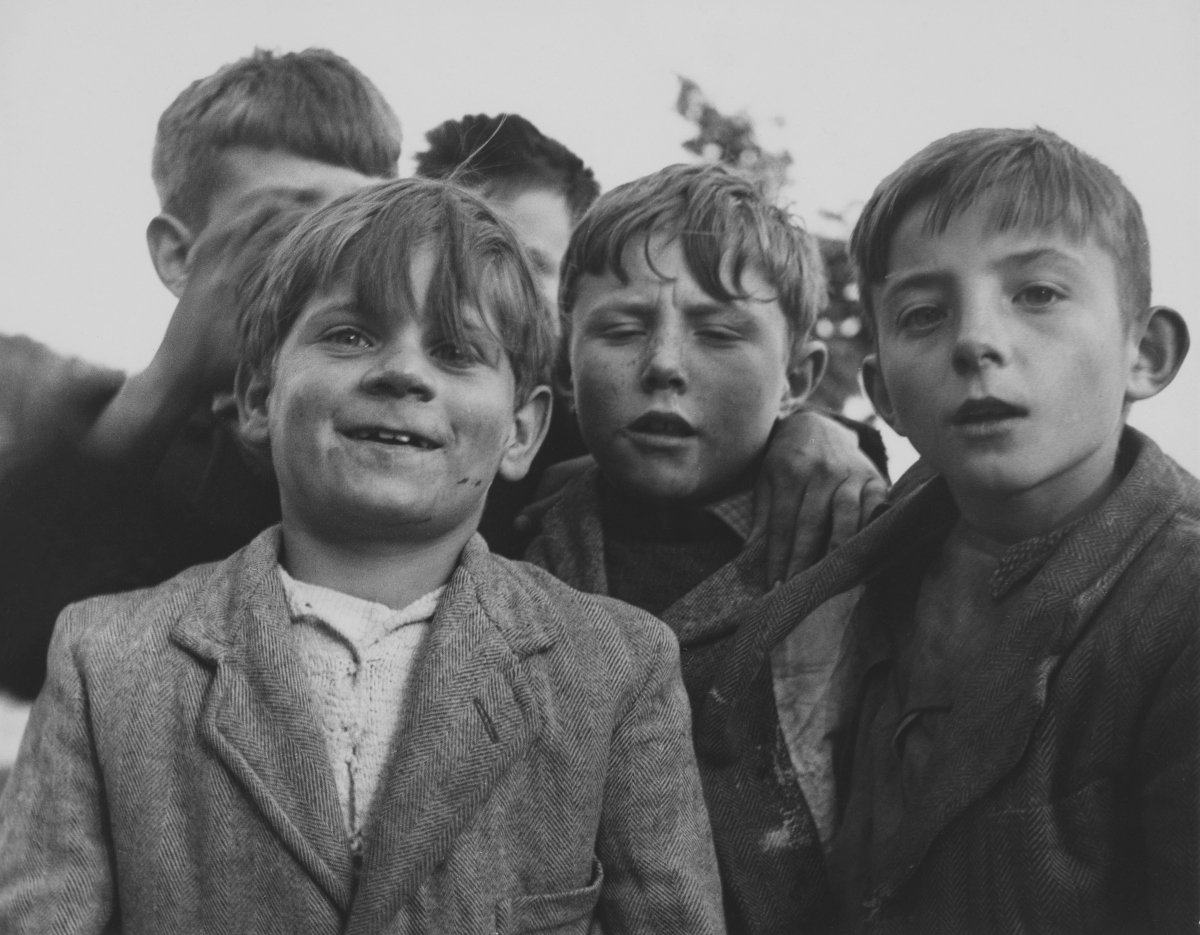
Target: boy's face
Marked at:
542, 220
1003, 356
384, 429
676, 391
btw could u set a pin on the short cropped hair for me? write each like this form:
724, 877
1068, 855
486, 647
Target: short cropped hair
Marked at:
313, 104
506, 150
368, 239
721, 220
1034, 179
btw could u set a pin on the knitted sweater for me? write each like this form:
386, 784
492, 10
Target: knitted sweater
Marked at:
359, 656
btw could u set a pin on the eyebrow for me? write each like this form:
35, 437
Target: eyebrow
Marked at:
1038, 254
936, 277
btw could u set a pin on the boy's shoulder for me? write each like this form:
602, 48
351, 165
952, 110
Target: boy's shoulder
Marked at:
119, 628
523, 599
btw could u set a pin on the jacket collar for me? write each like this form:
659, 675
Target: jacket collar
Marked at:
258, 713
574, 553
1084, 563
475, 707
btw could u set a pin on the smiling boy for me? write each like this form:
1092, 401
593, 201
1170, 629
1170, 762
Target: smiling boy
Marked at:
1025, 752
688, 300
364, 720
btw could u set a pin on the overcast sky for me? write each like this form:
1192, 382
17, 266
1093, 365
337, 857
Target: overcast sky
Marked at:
850, 87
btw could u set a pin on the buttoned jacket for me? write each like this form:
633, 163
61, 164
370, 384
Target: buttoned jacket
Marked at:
173, 776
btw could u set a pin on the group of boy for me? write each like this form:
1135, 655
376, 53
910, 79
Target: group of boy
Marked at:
977, 714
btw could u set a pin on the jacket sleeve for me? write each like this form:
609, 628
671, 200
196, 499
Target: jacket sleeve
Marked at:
1169, 790
56, 858
655, 843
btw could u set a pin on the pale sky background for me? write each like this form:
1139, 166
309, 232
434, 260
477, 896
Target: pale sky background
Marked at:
856, 86
850, 87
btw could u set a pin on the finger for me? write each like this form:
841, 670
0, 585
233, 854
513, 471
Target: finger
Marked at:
762, 506
846, 511
785, 504
874, 496
812, 525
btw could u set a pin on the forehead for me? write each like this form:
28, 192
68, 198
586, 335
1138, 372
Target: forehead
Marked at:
656, 261
246, 170
539, 215
973, 242
392, 301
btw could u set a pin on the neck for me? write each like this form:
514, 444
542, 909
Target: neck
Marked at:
1007, 517
387, 572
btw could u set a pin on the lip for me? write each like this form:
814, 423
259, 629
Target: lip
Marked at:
986, 415
662, 426
390, 436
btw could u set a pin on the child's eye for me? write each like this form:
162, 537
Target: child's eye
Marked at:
1037, 296
717, 335
921, 317
456, 355
626, 331
347, 336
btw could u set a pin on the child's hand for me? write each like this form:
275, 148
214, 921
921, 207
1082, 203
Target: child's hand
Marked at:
201, 341
815, 491
198, 353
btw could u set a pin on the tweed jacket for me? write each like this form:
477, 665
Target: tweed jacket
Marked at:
770, 853
173, 777
1063, 793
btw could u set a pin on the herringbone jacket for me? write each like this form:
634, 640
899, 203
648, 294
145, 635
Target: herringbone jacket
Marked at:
1063, 796
768, 847
173, 776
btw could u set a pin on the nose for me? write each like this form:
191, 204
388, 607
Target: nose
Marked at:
663, 361
982, 338
401, 369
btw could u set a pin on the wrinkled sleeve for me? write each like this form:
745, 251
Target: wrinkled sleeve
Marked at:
56, 860
655, 843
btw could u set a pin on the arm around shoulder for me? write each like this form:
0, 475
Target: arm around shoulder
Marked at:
655, 842
56, 860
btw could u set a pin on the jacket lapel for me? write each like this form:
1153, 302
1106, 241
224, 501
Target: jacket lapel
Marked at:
713, 608
258, 714
475, 709
1005, 696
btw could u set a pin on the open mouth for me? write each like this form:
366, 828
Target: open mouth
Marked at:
391, 437
986, 410
662, 423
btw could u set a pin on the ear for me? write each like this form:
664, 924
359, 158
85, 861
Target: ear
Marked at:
805, 370
1161, 349
877, 392
253, 393
530, 423
170, 242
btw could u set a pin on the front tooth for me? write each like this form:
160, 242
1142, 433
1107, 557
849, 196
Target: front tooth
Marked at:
404, 438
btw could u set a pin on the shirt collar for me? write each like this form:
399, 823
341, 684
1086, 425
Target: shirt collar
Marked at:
1022, 561
736, 511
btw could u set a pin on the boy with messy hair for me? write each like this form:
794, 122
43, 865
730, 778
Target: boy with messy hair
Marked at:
687, 303
543, 189
1024, 757
110, 482
364, 720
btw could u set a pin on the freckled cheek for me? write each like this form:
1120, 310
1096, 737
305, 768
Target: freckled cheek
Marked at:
605, 388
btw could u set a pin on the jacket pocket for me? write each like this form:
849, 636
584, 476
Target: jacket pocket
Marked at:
1053, 862
568, 911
